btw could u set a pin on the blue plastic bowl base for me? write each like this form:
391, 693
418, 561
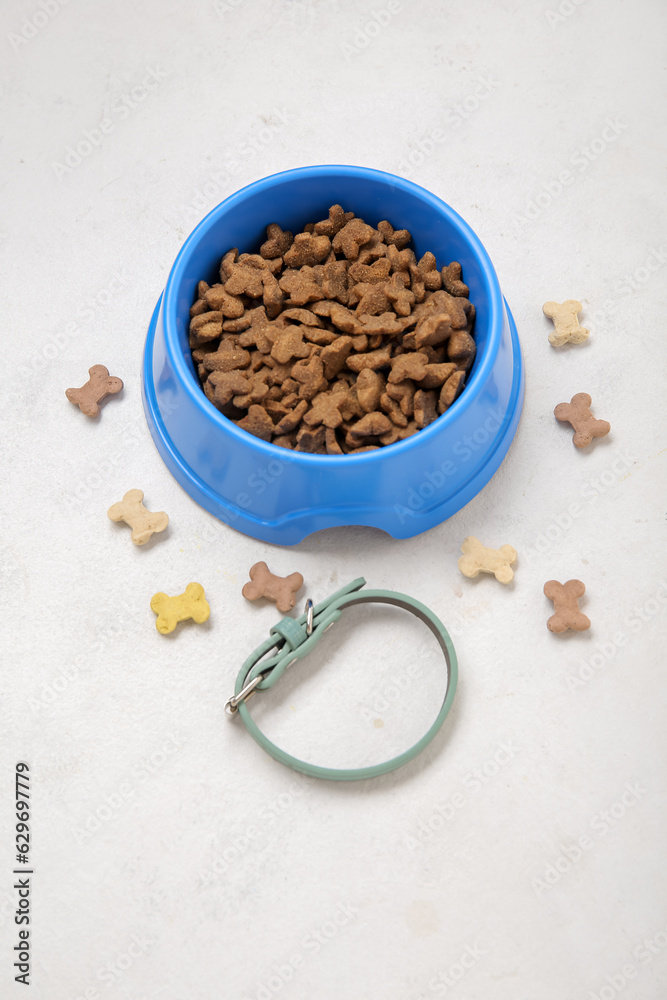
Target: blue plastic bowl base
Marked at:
281, 496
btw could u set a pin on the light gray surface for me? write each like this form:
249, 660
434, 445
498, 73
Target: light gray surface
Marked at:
152, 815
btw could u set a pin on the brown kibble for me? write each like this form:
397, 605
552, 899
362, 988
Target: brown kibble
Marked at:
334, 284
325, 410
257, 422
412, 365
451, 390
306, 250
371, 425
261, 333
425, 407
371, 298
461, 349
433, 329
335, 355
227, 357
393, 410
227, 264
451, 280
226, 385
401, 297
331, 442
310, 376
374, 360
301, 286
436, 375
289, 344
417, 283
205, 327
404, 394
373, 249
351, 408
394, 237
278, 242
370, 386
430, 274
245, 280
335, 222
200, 306
292, 419
311, 439
303, 316
370, 274
219, 300
351, 237
272, 296
285, 441
400, 260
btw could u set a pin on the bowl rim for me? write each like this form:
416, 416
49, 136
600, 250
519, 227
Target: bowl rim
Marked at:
189, 383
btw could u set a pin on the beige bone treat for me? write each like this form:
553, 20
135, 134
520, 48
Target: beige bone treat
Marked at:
566, 323
172, 610
144, 523
281, 590
565, 597
90, 395
578, 413
478, 559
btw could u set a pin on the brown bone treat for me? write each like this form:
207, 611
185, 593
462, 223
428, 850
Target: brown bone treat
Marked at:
90, 395
461, 349
395, 237
219, 300
311, 439
335, 222
257, 422
401, 298
425, 407
451, 390
291, 420
335, 355
310, 375
228, 357
374, 360
244, 280
565, 597
278, 242
371, 274
281, 590
304, 316
289, 344
351, 237
412, 365
578, 413
272, 296
331, 442
370, 386
326, 410
430, 274
436, 375
227, 264
144, 523
307, 250
371, 298
226, 385
301, 286
404, 394
334, 284
451, 280
393, 410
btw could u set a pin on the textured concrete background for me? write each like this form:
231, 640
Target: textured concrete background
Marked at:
519, 858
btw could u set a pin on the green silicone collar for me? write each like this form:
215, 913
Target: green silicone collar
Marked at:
294, 638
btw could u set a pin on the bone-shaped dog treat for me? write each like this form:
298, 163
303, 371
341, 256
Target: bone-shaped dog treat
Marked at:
566, 607
578, 413
90, 395
144, 523
172, 610
281, 590
478, 559
567, 329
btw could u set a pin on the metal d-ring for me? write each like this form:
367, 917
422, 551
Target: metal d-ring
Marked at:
308, 609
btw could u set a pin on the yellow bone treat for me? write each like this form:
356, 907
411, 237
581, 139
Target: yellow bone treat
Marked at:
172, 610
478, 559
566, 324
144, 523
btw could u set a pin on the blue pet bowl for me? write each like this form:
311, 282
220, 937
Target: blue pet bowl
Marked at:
279, 495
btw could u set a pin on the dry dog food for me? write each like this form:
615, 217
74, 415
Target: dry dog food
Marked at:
281, 590
172, 610
478, 559
144, 523
566, 324
336, 340
578, 413
90, 395
565, 597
